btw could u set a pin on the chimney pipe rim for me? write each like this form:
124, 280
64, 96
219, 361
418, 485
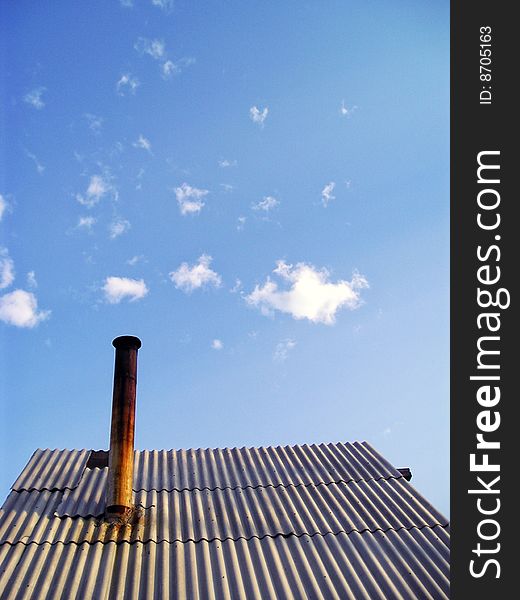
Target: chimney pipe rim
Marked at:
126, 341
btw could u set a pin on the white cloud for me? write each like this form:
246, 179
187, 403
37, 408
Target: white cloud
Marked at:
154, 48
345, 111
143, 143
127, 83
190, 199
34, 98
227, 187
31, 280
188, 278
3, 206
241, 221
95, 123
126, 3
268, 203
119, 288
86, 223
326, 193
118, 227
39, 167
170, 68
310, 295
157, 50
135, 259
237, 287
257, 115
166, 5
98, 187
281, 352
6, 269
20, 308
217, 345
224, 163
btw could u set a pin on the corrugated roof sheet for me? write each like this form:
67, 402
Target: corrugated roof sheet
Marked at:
327, 521
397, 564
38, 517
218, 467
52, 470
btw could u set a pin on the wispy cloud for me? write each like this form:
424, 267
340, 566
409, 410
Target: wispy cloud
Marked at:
31, 280
217, 344
139, 178
6, 269
257, 115
120, 288
39, 167
170, 68
20, 308
310, 294
281, 352
143, 143
345, 111
3, 206
225, 163
326, 193
127, 3
237, 287
135, 259
86, 223
154, 48
166, 5
241, 221
99, 186
95, 123
34, 98
118, 227
392, 429
127, 83
266, 204
190, 199
188, 278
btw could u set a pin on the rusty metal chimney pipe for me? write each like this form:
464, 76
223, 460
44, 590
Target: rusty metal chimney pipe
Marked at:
121, 456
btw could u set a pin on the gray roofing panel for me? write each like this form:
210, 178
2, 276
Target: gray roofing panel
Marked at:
52, 470
320, 521
219, 467
404, 564
39, 517
88, 497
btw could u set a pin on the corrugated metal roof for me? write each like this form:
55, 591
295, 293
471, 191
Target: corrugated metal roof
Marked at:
38, 517
397, 564
52, 470
327, 521
218, 467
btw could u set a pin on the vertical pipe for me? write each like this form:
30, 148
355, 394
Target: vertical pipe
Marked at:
121, 456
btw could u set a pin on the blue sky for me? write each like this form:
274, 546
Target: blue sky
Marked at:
260, 192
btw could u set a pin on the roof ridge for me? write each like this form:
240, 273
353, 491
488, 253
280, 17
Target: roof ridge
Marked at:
200, 448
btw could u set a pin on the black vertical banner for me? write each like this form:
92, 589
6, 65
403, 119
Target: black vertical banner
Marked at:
485, 437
